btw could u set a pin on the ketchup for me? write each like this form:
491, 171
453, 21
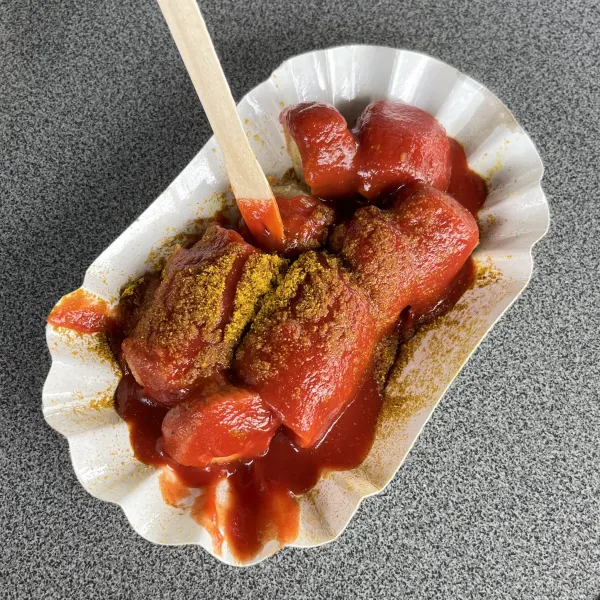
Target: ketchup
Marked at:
262, 502
82, 312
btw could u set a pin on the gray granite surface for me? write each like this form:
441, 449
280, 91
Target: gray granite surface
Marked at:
500, 497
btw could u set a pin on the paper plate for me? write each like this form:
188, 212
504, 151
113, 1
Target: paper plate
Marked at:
77, 396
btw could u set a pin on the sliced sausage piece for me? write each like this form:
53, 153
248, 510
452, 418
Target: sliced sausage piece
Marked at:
229, 424
409, 255
310, 347
318, 135
399, 144
207, 296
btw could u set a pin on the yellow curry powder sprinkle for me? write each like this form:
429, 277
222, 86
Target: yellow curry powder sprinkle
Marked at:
189, 304
278, 304
313, 303
385, 357
195, 298
131, 288
259, 276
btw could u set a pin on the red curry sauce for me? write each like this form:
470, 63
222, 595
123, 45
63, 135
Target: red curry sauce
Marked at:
82, 312
262, 503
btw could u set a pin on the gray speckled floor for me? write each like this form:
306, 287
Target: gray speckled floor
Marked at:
500, 497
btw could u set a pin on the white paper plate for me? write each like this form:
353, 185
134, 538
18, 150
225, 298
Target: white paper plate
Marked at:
79, 387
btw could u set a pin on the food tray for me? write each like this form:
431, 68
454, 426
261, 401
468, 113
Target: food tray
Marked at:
77, 396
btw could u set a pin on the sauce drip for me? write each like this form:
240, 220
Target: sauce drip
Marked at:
82, 312
465, 186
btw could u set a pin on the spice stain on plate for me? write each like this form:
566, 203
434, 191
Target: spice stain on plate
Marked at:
428, 362
192, 232
80, 346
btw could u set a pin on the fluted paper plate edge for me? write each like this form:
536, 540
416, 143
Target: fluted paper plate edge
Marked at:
79, 386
